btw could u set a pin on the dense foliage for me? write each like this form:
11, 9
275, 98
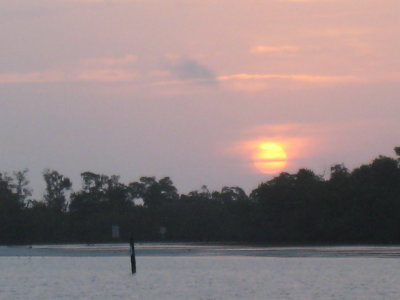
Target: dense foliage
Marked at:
359, 206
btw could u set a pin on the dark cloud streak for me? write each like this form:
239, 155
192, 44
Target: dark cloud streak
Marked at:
189, 69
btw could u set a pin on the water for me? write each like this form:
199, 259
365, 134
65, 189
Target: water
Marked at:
194, 271
198, 249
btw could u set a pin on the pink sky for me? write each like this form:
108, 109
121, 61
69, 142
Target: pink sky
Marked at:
177, 88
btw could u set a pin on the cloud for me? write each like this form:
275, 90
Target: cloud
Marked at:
107, 69
31, 77
184, 70
105, 75
274, 49
192, 70
103, 69
293, 77
187, 73
111, 61
260, 82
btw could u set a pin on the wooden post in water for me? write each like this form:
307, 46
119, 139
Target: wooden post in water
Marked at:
132, 251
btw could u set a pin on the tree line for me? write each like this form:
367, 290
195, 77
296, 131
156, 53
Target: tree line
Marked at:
358, 206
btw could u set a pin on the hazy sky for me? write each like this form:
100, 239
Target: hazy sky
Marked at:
189, 89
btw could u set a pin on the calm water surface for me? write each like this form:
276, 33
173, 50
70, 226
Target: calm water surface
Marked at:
185, 249
200, 272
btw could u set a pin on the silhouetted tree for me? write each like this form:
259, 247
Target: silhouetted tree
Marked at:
102, 202
397, 151
358, 206
230, 194
11, 221
21, 186
153, 192
56, 187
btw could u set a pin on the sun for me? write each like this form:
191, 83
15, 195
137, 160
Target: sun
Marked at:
269, 157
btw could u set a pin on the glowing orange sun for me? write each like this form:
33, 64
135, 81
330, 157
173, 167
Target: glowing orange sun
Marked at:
270, 157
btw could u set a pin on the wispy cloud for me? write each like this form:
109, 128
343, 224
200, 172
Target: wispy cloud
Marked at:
111, 61
294, 77
259, 82
106, 75
31, 77
104, 69
189, 76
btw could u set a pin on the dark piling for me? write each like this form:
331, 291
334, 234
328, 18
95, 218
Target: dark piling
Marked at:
132, 252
